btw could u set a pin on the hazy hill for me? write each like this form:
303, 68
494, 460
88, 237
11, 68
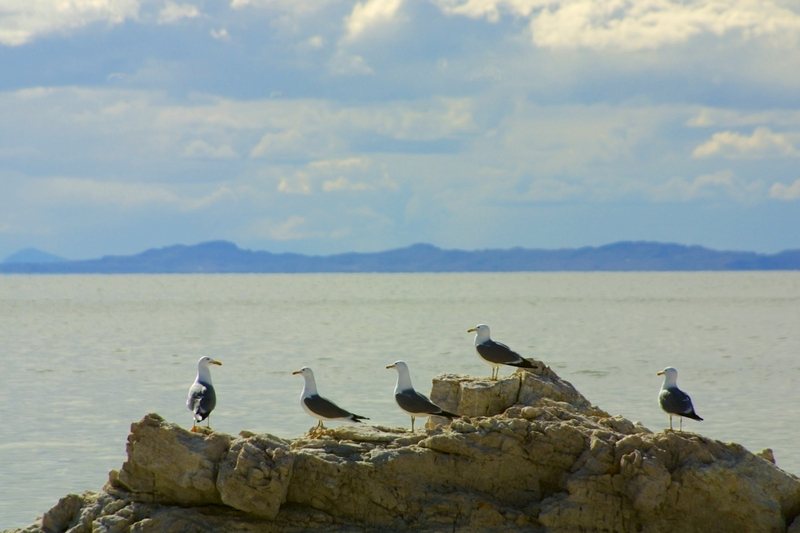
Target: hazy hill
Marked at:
223, 256
32, 255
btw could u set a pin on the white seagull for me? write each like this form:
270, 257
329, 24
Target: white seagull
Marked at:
319, 407
496, 353
202, 399
411, 401
673, 400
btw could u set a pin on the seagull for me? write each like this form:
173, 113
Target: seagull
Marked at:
673, 400
496, 353
202, 398
409, 400
319, 407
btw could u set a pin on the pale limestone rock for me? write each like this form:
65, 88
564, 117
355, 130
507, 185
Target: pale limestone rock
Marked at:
542, 382
254, 475
469, 396
546, 461
168, 464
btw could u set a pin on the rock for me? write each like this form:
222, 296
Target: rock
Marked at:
65, 514
530, 454
168, 464
254, 475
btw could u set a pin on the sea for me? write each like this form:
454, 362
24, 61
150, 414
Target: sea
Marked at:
84, 356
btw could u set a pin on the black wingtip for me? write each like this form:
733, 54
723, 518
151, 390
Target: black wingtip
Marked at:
358, 418
525, 363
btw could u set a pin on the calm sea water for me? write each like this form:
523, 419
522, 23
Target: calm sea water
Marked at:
84, 356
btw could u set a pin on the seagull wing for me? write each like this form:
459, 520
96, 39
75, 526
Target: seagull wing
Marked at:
325, 408
201, 400
675, 401
415, 403
498, 353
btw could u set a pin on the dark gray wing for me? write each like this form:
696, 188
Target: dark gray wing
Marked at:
201, 400
498, 353
676, 402
325, 408
413, 402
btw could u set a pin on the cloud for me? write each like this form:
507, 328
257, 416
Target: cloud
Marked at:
279, 143
762, 143
291, 229
708, 186
220, 35
22, 21
297, 183
203, 150
75, 192
172, 13
368, 15
354, 174
344, 63
730, 118
788, 193
632, 25
490, 9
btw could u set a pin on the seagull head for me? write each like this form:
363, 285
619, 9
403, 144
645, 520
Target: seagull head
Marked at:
481, 332
403, 376
305, 372
670, 376
204, 361
400, 366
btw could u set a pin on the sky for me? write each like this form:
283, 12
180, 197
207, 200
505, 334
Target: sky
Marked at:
328, 126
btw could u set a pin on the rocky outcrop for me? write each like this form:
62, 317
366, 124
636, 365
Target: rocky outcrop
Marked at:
531, 453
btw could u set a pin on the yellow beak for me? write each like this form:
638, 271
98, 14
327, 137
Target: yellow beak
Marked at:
472, 330
390, 366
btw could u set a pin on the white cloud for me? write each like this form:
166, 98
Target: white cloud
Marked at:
316, 42
762, 143
370, 14
75, 192
353, 174
21, 21
172, 13
490, 9
298, 183
342, 183
291, 229
708, 186
553, 190
220, 35
635, 24
788, 193
204, 150
278, 144
731, 118
346, 64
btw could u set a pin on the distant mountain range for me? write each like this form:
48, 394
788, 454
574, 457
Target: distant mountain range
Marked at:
226, 257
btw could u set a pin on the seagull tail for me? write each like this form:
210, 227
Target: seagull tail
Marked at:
448, 414
358, 418
524, 363
693, 416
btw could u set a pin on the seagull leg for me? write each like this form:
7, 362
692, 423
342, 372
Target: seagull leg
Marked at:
680, 423
670, 423
412, 424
